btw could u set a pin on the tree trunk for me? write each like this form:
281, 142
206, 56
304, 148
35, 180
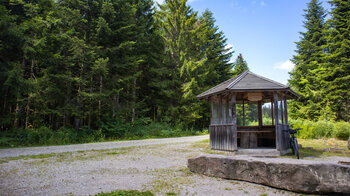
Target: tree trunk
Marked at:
116, 104
18, 107
133, 101
99, 100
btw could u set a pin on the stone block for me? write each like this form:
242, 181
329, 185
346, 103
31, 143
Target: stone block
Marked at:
304, 176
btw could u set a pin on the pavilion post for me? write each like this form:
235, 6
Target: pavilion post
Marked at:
220, 110
243, 113
285, 111
212, 111
234, 121
275, 99
260, 114
228, 119
272, 117
281, 106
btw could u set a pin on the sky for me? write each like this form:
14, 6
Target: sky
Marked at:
263, 31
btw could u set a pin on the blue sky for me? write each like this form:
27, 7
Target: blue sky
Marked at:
264, 31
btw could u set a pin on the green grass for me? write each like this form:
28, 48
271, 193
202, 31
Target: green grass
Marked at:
45, 136
126, 193
72, 156
319, 148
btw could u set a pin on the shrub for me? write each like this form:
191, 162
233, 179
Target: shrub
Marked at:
321, 129
342, 130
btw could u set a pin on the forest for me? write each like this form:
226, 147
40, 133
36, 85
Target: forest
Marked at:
77, 71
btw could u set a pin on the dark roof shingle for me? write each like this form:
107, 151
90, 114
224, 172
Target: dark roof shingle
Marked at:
245, 81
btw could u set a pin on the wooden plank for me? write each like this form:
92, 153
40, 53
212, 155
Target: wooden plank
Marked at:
281, 110
210, 136
228, 120
272, 112
275, 99
245, 140
220, 110
219, 137
234, 122
253, 140
285, 111
254, 131
212, 112
260, 114
243, 113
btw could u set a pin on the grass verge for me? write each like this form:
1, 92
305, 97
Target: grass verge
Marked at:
126, 193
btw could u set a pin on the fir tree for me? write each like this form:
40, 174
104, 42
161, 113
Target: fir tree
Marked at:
240, 65
305, 76
336, 67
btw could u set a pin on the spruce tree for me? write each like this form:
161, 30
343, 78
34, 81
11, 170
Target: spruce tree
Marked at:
217, 67
305, 77
240, 65
182, 36
336, 67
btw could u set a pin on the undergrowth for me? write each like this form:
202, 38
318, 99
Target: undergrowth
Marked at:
107, 132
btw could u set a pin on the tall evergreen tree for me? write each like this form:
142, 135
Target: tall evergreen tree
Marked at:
181, 34
305, 76
336, 67
217, 68
240, 65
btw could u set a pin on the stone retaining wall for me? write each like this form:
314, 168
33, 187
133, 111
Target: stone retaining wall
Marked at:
291, 174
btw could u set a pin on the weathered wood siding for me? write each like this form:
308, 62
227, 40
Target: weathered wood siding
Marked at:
285, 137
223, 137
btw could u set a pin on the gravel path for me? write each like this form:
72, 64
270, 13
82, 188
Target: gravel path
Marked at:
159, 166
13, 152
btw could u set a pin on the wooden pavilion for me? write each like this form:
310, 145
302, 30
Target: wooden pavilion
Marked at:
248, 88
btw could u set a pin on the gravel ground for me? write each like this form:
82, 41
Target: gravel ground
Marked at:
159, 167
13, 152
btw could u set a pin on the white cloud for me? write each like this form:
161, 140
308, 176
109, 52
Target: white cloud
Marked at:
231, 50
162, 1
262, 3
159, 1
286, 65
230, 46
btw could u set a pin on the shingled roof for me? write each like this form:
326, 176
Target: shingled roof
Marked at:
247, 81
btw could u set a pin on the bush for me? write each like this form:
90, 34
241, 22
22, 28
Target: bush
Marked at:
342, 130
321, 129
113, 129
47, 136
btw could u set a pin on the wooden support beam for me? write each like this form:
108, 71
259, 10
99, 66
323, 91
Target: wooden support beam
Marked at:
227, 105
285, 111
281, 110
243, 113
212, 111
234, 122
272, 117
260, 114
220, 110
233, 106
275, 100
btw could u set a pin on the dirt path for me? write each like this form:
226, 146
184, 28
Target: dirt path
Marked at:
159, 168
13, 152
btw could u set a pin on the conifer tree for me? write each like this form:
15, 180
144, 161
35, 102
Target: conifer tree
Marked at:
305, 77
240, 65
336, 67
181, 34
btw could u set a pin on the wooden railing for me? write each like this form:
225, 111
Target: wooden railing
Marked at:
223, 137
